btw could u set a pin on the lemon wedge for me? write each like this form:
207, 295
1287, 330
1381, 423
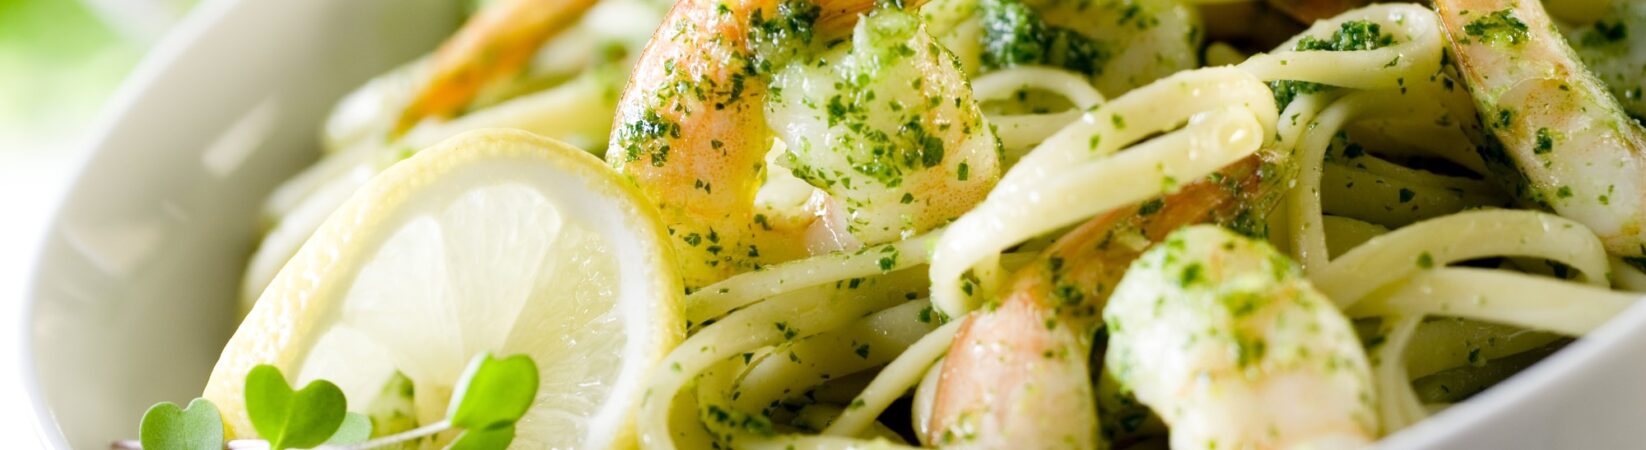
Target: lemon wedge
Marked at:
492, 241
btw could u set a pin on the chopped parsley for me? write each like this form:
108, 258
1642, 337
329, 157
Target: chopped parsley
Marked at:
647, 135
1191, 274
1498, 28
1505, 117
1015, 35
1151, 207
1354, 35
1545, 142
784, 33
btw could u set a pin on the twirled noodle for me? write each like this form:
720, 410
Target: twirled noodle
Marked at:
1407, 137
1343, 233
1397, 406
717, 299
1416, 50
1019, 132
801, 313
1532, 302
1308, 243
1459, 237
1389, 201
1449, 342
1381, 168
1229, 115
898, 377
863, 344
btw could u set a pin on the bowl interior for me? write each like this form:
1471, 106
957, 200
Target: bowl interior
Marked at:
135, 287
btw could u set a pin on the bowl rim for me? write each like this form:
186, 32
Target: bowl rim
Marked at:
152, 67
1462, 419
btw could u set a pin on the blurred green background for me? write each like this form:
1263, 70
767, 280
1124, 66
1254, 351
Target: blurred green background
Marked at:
59, 62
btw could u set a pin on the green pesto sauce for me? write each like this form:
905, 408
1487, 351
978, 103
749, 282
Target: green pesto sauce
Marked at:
727, 418
1545, 142
1015, 35
647, 135
889, 260
888, 136
775, 35
1498, 28
776, 38
1354, 35
1505, 117
1151, 207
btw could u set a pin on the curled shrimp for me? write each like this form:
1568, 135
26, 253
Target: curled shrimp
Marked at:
886, 132
1566, 143
1120, 45
1050, 314
496, 43
1017, 373
1220, 334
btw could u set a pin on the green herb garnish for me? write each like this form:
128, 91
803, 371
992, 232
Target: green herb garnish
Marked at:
491, 396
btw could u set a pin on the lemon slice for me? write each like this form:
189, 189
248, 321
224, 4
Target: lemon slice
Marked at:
492, 241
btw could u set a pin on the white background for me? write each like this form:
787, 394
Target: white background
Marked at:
31, 181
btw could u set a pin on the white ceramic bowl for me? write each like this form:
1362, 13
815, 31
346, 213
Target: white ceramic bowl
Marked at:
134, 288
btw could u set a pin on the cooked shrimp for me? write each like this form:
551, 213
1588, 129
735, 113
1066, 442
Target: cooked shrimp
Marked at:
1121, 45
1037, 341
887, 131
496, 43
1221, 334
1565, 139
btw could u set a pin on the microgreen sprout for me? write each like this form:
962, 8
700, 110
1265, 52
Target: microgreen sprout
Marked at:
489, 398
168, 427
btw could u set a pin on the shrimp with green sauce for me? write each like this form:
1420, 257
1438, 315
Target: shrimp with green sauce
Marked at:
1120, 45
1221, 335
1018, 376
1567, 144
497, 42
879, 121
